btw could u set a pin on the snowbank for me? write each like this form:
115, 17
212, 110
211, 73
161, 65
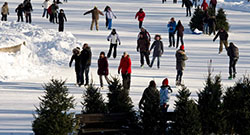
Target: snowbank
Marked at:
238, 5
43, 49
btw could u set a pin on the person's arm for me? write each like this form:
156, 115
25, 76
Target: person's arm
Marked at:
152, 46
144, 14
162, 48
226, 35
136, 15
109, 36
64, 16
216, 36
88, 12
118, 39
142, 100
113, 14
100, 12
71, 60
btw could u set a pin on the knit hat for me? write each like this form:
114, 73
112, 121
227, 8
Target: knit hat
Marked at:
102, 53
165, 82
182, 47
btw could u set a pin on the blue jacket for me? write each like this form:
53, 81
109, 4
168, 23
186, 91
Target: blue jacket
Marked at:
165, 95
171, 27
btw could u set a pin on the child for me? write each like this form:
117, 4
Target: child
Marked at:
158, 50
165, 95
61, 18
114, 39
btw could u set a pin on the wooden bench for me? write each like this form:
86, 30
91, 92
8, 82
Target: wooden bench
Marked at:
101, 123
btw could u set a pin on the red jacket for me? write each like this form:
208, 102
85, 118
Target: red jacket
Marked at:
125, 65
204, 5
140, 16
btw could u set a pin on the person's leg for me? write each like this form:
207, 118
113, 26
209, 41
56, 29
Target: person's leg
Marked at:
124, 80
147, 58
97, 25
186, 11
225, 44
152, 62
101, 81
107, 22
110, 50
92, 24
26, 17
86, 75
18, 18
47, 14
177, 77
170, 41
21, 18
107, 79
181, 73
177, 41
110, 24
158, 62
189, 9
115, 50
234, 68
221, 46
44, 11
230, 67
128, 80
29, 17
182, 43
140, 24
142, 58
173, 38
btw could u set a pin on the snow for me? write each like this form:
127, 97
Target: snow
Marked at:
47, 53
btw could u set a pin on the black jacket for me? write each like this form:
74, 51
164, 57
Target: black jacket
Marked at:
61, 17
233, 52
19, 10
77, 59
187, 3
86, 55
28, 7
223, 35
158, 48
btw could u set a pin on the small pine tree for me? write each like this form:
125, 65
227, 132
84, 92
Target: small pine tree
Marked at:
93, 101
52, 116
197, 19
210, 11
236, 106
221, 20
187, 120
209, 105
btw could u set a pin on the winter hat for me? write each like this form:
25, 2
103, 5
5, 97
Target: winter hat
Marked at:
102, 53
182, 47
165, 82
152, 83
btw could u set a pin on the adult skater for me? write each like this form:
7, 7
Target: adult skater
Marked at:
213, 3
171, 30
125, 69
110, 15
180, 64
114, 39
204, 5
145, 34
19, 10
52, 10
188, 4
27, 11
46, 4
233, 53
76, 57
223, 39
5, 11
180, 33
61, 18
143, 48
95, 17
106, 18
103, 69
158, 50
86, 56
140, 15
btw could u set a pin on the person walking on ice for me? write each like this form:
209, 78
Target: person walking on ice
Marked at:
158, 50
76, 57
140, 15
5, 11
95, 17
233, 53
110, 15
180, 64
19, 11
143, 48
180, 33
223, 39
125, 69
61, 18
103, 69
171, 30
114, 39
165, 95
86, 56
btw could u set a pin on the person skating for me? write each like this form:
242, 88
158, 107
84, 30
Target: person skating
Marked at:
213, 3
145, 34
61, 18
204, 5
27, 11
76, 57
5, 11
195, 3
158, 50
223, 39
205, 20
52, 10
46, 4
171, 30
106, 18
143, 48
140, 15
233, 53
180, 33
114, 39
103, 69
180, 64
188, 4
19, 10
86, 56
211, 24
164, 1
125, 69
95, 17
165, 95
110, 15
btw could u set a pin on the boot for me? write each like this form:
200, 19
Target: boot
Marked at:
230, 77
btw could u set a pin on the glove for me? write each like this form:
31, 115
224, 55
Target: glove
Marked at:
108, 39
213, 40
120, 43
118, 71
137, 50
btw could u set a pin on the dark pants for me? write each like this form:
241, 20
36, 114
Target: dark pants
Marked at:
214, 8
78, 75
179, 38
4, 17
107, 22
85, 71
164, 1
28, 17
126, 79
101, 81
179, 76
195, 3
158, 61
171, 40
53, 17
20, 17
61, 26
188, 9
232, 68
110, 50
140, 24
146, 55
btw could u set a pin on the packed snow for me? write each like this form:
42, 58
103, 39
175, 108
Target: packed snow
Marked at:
47, 53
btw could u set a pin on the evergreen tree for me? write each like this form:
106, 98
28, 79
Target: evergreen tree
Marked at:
209, 105
93, 101
236, 105
187, 120
221, 20
197, 19
52, 116
210, 11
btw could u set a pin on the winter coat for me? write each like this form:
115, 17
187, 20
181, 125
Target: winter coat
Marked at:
140, 16
223, 36
187, 3
214, 2
19, 10
28, 7
233, 52
103, 66
146, 35
142, 45
180, 59
86, 55
204, 5
165, 95
5, 10
53, 9
171, 27
180, 30
150, 96
158, 48
77, 59
110, 14
211, 22
114, 38
125, 65
46, 4
95, 13
61, 17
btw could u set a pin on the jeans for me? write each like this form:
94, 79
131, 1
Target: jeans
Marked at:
205, 28
109, 24
78, 75
101, 80
45, 11
179, 76
232, 64
171, 40
85, 71
126, 79
146, 55
110, 50
158, 62
181, 38
188, 9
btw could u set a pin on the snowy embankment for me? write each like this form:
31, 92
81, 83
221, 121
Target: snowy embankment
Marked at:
43, 49
237, 5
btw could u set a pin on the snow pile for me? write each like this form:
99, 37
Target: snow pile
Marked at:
238, 5
43, 49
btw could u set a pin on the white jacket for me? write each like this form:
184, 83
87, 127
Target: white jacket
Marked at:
46, 4
114, 38
110, 14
